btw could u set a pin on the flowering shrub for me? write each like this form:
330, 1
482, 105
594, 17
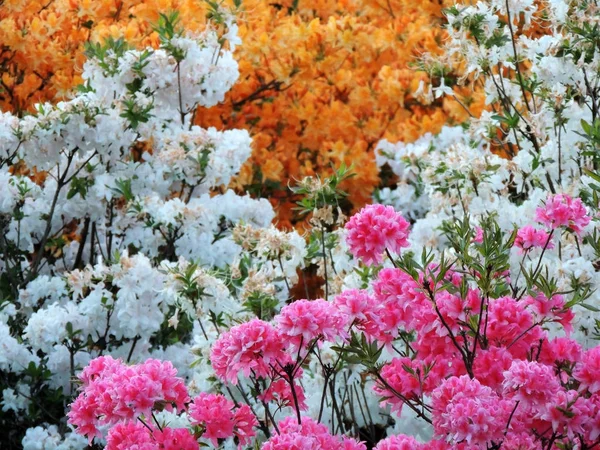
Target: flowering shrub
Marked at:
463, 317
320, 83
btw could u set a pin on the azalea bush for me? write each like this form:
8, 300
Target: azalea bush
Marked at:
147, 306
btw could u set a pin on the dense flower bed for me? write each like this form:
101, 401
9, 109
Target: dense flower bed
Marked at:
149, 307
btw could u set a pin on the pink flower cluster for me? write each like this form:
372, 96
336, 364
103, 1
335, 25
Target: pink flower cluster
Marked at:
561, 210
114, 392
304, 320
248, 348
219, 419
310, 435
135, 435
373, 230
529, 237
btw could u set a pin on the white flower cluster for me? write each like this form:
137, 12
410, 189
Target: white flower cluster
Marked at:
116, 222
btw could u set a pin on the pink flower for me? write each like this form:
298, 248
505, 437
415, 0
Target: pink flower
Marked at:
248, 347
404, 304
113, 392
216, 414
478, 238
561, 350
399, 442
362, 310
465, 410
411, 378
512, 326
130, 435
561, 210
587, 371
553, 309
528, 237
308, 436
280, 392
531, 383
490, 365
373, 230
175, 439
304, 320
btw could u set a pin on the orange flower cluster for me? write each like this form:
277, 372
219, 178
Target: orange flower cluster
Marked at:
321, 82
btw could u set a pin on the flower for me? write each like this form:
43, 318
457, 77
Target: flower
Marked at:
247, 348
304, 320
561, 210
529, 237
216, 414
373, 230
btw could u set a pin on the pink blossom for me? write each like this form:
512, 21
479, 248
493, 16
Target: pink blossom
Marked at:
308, 436
175, 439
216, 414
362, 310
553, 309
373, 230
490, 364
304, 320
587, 371
561, 350
561, 210
529, 237
404, 304
248, 347
512, 326
281, 392
130, 435
114, 392
399, 442
531, 383
478, 238
465, 410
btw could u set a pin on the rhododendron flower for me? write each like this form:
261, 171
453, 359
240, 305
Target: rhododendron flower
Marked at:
478, 238
129, 435
362, 310
465, 410
561, 210
113, 392
304, 320
175, 439
216, 414
587, 371
553, 309
404, 304
561, 350
399, 442
531, 383
310, 435
512, 326
249, 347
529, 237
490, 364
374, 229
281, 392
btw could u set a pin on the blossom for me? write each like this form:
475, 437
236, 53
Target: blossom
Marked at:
465, 410
250, 347
114, 392
216, 414
561, 210
529, 237
399, 442
309, 435
373, 230
531, 383
304, 320
587, 370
